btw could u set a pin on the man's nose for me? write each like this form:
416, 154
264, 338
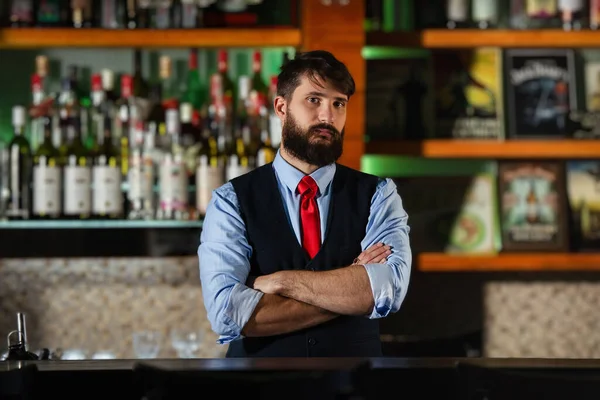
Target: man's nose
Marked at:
326, 114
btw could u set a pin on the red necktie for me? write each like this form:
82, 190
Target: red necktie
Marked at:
309, 216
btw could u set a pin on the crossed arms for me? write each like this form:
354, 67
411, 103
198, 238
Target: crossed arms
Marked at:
287, 301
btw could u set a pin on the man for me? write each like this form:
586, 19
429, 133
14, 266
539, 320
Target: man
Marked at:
278, 255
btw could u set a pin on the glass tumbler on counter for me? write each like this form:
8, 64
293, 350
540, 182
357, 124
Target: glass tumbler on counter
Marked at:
146, 344
186, 342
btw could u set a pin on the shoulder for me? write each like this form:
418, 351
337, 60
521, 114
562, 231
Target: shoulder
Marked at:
252, 176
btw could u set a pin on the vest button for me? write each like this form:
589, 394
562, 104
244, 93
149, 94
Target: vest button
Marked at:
312, 341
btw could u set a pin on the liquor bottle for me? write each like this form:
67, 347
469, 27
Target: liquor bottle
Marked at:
107, 199
227, 86
210, 174
457, 13
52, 13
542, 13
141, 176
594, 13
169, 87
259, 92
173, 179
21, 13
140, 85
4, 174
191, 15
485, 13
77, 175
128, 115
266, 152
238, 161
571, 12
19, 168
275, 125
82, 14
194, 91
190, 140
46, 177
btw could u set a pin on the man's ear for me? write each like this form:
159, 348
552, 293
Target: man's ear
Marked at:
280, 107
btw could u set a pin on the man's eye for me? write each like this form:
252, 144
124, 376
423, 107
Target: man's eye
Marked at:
313, 100
339, 104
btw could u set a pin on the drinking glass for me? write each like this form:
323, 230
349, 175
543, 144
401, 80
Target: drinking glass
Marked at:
186, 342
146, 344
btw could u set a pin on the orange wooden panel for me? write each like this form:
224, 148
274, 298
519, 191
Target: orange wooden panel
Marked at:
442, 38
353, 152
448, 148
440, 262
37, 37
339, 29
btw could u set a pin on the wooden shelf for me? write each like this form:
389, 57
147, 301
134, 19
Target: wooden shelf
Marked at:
440, 262
23, 38
469, 38
512, 149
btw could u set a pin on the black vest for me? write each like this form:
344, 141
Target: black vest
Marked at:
275, 247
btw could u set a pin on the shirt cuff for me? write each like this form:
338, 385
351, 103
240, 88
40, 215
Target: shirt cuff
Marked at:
380, 277
242, 302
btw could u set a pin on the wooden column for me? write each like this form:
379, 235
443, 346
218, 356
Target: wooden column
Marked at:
339, 29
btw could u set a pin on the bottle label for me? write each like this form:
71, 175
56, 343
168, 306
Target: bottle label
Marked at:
46, 190
541, 8
234, 169
458, 10
173, 185
485, 10
77, 190
275, 128
140, 177
207, 179
107, 197
570, 5
264, 156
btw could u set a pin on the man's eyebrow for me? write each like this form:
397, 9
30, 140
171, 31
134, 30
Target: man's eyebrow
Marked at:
321, 94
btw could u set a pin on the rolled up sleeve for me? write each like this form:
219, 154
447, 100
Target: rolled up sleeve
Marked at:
388, 223
223, 256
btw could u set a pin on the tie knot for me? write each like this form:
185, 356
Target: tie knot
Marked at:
308, 187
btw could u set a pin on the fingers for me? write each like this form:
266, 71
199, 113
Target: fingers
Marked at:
377, 253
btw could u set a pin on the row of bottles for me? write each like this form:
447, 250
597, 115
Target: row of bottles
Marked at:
139, 154
407, 15
140, 14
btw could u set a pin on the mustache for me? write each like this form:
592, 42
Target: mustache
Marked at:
324, 126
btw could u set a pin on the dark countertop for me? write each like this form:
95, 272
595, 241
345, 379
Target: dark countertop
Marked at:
300, 378
283, 364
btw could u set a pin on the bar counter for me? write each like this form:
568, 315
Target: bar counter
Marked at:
291, 378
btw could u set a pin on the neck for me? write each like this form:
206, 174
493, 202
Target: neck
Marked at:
297, 163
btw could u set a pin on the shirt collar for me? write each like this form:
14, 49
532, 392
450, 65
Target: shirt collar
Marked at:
291, 176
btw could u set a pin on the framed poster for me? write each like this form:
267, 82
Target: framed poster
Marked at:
533, 208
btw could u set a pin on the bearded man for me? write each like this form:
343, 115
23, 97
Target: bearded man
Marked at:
301, 257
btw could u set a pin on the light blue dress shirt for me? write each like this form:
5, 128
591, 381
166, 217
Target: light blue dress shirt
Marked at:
224, 253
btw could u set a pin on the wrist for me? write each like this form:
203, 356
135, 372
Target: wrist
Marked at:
283, 283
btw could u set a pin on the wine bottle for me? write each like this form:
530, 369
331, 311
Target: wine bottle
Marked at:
46, 177
19, 165
107, 199
210, 174
77, 176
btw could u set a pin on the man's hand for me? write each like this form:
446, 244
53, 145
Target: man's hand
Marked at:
377, 253
272, 283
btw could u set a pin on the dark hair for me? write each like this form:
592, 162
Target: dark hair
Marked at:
315, 65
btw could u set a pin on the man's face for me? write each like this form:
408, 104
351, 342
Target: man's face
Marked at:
313, 125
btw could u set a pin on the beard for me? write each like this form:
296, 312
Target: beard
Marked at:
300, 145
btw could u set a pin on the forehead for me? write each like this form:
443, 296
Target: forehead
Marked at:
318, 85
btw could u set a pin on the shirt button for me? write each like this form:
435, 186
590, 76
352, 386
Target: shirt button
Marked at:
312, 341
